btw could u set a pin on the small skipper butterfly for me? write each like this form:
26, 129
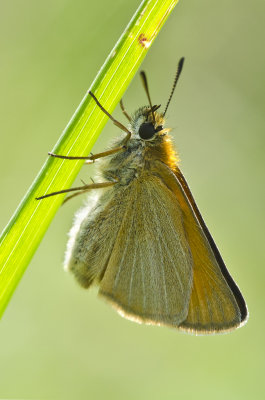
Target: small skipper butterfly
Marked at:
144, 241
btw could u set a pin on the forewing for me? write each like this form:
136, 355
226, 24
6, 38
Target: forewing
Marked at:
216, 303
149, 273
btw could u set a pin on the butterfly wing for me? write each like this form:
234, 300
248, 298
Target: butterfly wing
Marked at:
93, 235
216, 303
149, 273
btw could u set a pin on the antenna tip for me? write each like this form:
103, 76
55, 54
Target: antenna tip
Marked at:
180, 64
143, 76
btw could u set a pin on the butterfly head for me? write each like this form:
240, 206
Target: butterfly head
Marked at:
147, 123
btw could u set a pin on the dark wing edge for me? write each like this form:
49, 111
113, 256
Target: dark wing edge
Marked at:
231, 283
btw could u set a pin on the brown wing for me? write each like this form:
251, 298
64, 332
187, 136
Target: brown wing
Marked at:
149, 273
216, 303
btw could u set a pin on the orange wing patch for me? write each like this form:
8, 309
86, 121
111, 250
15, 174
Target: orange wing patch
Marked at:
215, 304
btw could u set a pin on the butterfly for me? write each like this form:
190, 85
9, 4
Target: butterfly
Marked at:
144, 241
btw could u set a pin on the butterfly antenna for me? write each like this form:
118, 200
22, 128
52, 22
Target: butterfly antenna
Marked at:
144, 80
179, 69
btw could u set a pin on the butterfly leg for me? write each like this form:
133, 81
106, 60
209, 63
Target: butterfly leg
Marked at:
87, 190
81, 189
94, 157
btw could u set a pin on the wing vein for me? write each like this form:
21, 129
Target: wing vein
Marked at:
166, 246
159, 236
132, 276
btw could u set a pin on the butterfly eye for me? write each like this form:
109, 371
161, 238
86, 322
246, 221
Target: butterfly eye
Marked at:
147, 130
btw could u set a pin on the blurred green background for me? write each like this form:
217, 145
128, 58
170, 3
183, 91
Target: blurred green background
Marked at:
60, 341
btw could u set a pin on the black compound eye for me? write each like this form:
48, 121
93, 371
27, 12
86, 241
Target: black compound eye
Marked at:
147, 130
